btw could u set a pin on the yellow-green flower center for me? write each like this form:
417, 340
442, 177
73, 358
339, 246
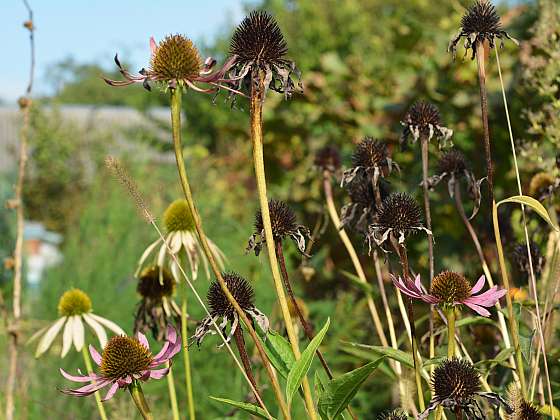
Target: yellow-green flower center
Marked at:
176, 58
178, 216
124, 356
150, 286
450, 287
74, 302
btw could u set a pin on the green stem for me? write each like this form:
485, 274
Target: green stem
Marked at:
89, 369
172, 392
450, 314
185, 185
257, 98
186, 359
140, 401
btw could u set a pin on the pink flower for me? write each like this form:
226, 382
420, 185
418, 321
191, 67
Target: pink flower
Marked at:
124, 360
452, 289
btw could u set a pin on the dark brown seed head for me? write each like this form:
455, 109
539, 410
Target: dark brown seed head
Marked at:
370, 153
393, 415
328, 159
124, 356
399, 211
456, 380
175, 59
258, 39
241, 290
421, 114
521, 258
452, 162
149, 283
450, 287
282, 219
481, 18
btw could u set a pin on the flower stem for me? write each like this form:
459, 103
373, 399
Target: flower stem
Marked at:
89, 369
186, 359
178, 148
450, 314
172, 393
139, 399
257, 98
240, 343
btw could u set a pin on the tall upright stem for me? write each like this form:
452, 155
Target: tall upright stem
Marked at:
480, 51
89, 369
257, 98
178, 148
172, 392
139, 400
186, 359
450, 313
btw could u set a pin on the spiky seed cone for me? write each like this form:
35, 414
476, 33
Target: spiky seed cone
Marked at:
481, 18
450, 287
175, 58
361, 192
328, 158
522, 409
178, 216
259, 39
241, 290
370, 153
521, 258
74, 302
422, 114
399, 211
124, 356
393, 415
282, 219
149, 285
456, 380
540, 182
452, 162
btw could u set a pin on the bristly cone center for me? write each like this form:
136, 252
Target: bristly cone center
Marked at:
178, 217
149, 285
175, 58
241, 290
450, 287
74, 302
456, 380
124, 356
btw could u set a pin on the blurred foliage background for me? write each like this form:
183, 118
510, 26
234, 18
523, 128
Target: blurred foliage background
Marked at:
364, 62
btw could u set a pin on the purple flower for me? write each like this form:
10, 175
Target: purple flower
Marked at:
124, 360
452, 289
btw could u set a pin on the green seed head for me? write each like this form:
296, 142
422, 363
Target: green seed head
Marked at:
175, 58
74, 302
178, 216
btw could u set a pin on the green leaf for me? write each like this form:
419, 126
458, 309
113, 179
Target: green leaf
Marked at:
301, 366
390, 352
500, 359
369, 355
249, 408
548, 411
534, 204
526, 344
365, 287
434, 361
279, 352
339, 391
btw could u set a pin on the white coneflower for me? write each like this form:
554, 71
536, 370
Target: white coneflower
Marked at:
181, 236
74, 308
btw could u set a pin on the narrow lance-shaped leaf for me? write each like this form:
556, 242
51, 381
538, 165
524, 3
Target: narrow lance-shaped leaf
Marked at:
249, 408
301, 366
534, 204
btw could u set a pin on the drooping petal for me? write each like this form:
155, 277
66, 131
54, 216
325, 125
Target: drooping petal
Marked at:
67, 336
489, 297
75, 378
111, 391
97, 328
479, 284
49, 336
145, 255
158, 373
88, 389
478, 309
95, 355
143, 340
109, 324
78, 333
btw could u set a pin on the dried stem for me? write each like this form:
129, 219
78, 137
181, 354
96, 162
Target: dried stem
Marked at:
527, 242
186, 359
178, 148
240, 343
257, 99
13, 326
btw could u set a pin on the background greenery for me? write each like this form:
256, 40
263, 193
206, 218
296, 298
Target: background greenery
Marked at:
364, 62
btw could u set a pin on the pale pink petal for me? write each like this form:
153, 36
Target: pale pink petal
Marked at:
479, 285
478, 309
488, 298
153, 45
159, 373
111, 391
430, 299
75, 378
95, 355
418, 283
87, 389
143, 340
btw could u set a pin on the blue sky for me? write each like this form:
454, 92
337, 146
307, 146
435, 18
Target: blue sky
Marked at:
93, 30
